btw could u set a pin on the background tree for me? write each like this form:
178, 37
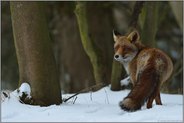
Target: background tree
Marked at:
34, 53
65, 22
95, 53
75, 69
177, 7
149, 22
9, 65
102, 36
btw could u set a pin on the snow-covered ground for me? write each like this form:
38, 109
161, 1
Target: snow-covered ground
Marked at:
90, 107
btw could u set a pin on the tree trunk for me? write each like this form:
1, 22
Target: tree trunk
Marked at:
34, 53
116, 76
91, 49
64, 40
150, 23
177, 7
100, 28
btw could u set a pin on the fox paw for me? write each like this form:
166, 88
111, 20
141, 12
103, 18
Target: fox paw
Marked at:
125, 81
129, 105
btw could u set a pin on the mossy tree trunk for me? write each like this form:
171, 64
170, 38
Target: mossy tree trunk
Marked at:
91, 49
177, 7
34, 53
150, 18
116, 76
100, 20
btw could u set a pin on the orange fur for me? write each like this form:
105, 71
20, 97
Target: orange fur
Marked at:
147, 67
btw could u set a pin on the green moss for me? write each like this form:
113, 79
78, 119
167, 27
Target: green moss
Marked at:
88, 44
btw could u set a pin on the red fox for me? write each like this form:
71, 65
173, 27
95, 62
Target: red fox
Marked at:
147, 68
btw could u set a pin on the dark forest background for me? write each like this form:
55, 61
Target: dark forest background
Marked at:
160, 25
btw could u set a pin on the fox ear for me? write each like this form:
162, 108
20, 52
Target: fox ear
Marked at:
116, 35
133, 36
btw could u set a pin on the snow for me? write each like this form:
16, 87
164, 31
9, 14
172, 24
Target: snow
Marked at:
91, 107
25, 87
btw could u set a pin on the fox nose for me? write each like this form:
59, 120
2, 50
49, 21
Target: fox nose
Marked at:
116, 56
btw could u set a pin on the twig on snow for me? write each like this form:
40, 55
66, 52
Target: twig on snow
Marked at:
94, 87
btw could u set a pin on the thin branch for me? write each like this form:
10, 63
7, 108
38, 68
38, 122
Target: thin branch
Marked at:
65, 100
6, 95
178, 72
92, 88
74, 100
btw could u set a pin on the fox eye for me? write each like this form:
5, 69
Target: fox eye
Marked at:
127, 48
116, 47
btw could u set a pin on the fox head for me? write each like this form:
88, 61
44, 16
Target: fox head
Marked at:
125, 46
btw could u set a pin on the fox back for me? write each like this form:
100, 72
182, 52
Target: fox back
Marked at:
147, 67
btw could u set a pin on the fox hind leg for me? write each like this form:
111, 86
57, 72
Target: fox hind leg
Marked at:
158, 98
150, 101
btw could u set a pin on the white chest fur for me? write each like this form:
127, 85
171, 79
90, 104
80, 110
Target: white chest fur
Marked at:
125, 64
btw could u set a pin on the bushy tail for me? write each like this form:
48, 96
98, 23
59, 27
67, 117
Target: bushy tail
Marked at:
145, 87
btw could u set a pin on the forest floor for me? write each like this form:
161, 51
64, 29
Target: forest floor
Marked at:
93, 107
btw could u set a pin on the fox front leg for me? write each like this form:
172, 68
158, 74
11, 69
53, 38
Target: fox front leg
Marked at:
125, 82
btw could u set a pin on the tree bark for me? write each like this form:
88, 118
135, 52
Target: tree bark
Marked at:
116, 76
34, 53
150, 23
177, 7
89, 45
65, 39
100, 27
